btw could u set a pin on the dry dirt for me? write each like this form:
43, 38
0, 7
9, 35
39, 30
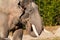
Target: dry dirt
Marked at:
51, 33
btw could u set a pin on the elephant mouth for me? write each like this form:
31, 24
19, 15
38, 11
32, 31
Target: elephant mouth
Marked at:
34, 30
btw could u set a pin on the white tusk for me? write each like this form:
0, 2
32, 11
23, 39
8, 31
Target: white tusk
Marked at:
35, 31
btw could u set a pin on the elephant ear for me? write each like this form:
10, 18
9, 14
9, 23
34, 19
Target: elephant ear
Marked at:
36, 21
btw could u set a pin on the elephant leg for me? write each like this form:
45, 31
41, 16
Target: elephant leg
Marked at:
18, 34
3, 25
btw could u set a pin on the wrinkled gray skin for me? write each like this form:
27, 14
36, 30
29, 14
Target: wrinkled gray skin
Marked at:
32, 17
8, 10
35, 19
3, 25
27, 19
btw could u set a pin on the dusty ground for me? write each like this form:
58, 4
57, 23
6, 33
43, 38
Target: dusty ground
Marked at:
53, 33
50, 33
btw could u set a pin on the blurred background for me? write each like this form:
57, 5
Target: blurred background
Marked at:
49, 11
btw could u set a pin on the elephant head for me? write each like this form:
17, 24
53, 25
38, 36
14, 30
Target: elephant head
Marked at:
33, 19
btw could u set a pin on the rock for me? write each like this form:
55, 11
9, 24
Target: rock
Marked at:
46, 34
26, 37
57, 32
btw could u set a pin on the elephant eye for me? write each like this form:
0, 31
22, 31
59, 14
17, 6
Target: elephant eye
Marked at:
19, 3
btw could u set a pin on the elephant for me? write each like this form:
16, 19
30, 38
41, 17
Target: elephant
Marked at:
8, 10
28, 17
16, 14
3, 25
30, 13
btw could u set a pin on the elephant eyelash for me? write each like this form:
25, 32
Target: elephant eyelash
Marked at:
19, 3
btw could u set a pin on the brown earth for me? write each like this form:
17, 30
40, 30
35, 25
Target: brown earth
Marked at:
49, 28
45, 35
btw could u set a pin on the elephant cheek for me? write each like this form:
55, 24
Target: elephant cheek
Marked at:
35, 31
37, 28
35, 19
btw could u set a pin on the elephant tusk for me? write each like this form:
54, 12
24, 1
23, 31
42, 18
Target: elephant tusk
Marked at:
34, 30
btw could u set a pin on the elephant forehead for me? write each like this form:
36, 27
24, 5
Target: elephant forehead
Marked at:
13, 3
15, 11
36, 19
7, 3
